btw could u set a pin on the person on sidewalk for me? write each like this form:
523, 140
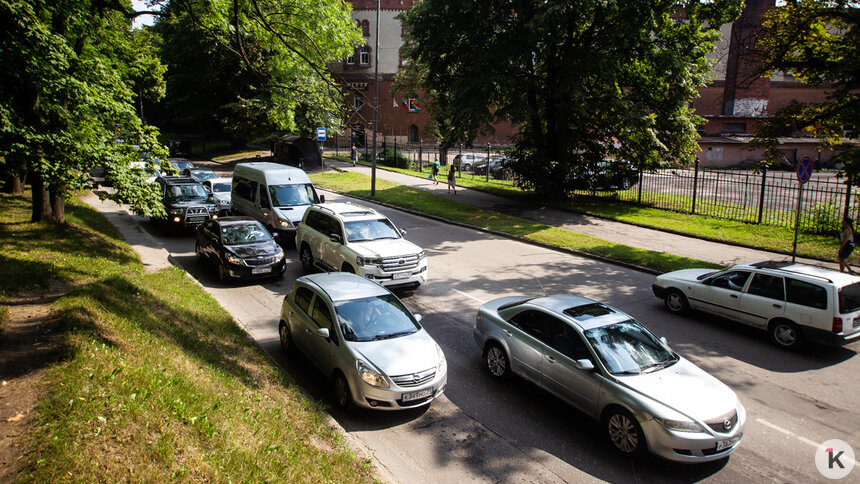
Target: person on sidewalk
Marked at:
435, 172
353, 154
452, 180
846, 245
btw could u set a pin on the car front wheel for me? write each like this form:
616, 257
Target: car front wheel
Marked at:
223, 275
497, 360
342, 397
786, 334
307, 259
676, 301
624, 432
285, 336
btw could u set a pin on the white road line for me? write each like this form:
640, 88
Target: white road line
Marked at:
791, 434
807, 441
469, 296
779, 429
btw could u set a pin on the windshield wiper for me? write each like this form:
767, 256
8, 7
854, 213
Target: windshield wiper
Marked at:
392, 335
659, 365
626, 372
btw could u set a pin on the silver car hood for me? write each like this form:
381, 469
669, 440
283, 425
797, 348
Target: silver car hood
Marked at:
399, 356
385, 248
690, 275
686, 388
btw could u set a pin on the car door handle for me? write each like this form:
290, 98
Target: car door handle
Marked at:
549, 358
777, 306
733, 296
507, 333
308, 331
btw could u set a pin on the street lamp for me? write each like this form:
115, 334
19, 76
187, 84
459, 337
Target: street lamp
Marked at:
375, 104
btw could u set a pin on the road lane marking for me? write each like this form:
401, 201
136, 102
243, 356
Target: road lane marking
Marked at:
791, 434
469, 296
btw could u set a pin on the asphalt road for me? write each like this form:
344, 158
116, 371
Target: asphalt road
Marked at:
484, 430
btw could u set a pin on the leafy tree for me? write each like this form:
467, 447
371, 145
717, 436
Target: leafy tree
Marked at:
70, 68
264, 65
585, 79
819, 43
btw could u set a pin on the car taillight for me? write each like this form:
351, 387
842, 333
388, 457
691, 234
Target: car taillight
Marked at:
837, 325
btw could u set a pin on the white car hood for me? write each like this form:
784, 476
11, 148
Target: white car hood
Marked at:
293, 214
688, 275
222, 197
385, 248
686, 388
400, 356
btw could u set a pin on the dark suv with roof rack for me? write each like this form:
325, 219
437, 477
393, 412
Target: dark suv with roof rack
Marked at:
186, 202
794, 303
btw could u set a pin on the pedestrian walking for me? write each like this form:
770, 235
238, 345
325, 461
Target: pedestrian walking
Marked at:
452, 179
846, 245
353, 154
435, 172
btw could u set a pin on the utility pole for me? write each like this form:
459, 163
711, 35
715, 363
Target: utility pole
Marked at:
375, 104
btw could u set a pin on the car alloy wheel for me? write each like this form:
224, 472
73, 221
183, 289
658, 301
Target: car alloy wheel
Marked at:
341, 392
675, 301
624, 432
307, 259
286, 338
786, 334
497, 361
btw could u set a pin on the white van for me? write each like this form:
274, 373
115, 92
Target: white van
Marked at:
276, 195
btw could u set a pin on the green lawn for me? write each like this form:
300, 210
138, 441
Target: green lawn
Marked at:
156, 381
776, 239
357, 185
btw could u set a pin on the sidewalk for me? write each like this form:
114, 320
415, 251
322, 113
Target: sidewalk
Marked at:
616, 232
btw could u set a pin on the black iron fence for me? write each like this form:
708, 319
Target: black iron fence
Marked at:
766, 197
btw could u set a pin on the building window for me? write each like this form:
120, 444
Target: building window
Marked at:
413, 134
735, 128
350, 60
357, 102
365, 27
364, 56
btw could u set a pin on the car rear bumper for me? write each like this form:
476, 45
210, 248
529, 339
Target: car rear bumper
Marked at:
830, 338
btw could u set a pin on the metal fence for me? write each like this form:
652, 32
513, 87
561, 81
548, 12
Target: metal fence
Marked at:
767, 197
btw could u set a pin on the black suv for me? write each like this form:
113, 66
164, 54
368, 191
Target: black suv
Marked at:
186, 202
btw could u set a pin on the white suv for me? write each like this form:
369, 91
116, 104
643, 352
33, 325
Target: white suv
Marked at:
351, 238
795, 303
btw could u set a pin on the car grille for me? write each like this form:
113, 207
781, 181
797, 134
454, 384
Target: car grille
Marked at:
718, 424
400, 263
414, 379
196, 215
260, 261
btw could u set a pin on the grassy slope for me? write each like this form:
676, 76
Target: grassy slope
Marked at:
778, 239
157, 382
355, 184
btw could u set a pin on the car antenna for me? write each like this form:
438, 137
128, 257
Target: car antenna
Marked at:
541, 287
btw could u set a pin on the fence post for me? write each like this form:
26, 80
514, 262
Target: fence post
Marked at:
695, 185
395, 151
641, 181
419, 154
847, 212
761, 196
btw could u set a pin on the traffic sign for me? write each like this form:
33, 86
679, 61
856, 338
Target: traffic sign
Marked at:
320, 134
804, 169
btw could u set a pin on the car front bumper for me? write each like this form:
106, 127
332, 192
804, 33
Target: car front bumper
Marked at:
413, 277
692, 447
394, 397
242, 271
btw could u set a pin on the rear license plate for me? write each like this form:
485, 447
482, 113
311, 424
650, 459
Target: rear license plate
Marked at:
261, 270
725, 444
408, 397
401, 275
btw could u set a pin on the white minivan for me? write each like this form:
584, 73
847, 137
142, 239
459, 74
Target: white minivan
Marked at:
276, 195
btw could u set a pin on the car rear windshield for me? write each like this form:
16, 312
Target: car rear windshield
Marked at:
849, 298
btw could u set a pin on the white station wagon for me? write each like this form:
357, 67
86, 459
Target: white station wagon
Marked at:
795, 303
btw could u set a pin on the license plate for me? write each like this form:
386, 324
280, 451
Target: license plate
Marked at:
401, 275
725, 444
261, 270
408, 397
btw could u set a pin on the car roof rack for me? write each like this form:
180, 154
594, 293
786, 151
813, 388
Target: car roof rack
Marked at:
781, 265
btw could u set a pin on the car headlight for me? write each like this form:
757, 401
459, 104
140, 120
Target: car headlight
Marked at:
679, 425
370, 376
442, 364
232, 258
368, 261
422, 255
176, 211
279, 256
284, 223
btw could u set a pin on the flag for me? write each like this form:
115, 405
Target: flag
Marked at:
411, 105
394, 101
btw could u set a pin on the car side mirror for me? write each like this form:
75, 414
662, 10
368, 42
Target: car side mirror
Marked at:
664, 340
275, 235
584, 365
402, 232
323, 333
418, 317
322, 198
334, 238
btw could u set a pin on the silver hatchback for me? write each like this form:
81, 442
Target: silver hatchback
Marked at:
362, 337
606, 364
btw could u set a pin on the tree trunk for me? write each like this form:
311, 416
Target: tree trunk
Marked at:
58, 204
41, 200
13, 185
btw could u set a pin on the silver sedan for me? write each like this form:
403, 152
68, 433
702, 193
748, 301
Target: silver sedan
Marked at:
362, 337
606, 364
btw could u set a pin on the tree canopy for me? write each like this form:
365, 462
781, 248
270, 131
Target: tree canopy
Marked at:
818, 42
586, 80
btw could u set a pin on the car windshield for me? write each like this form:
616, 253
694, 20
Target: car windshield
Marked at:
244, 234
221, 187
186, 192
374, 318
203, 174
364, 230
627, 348
182, 165
291, 195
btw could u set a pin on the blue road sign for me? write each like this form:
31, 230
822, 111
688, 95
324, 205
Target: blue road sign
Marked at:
804, 169
320, 134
